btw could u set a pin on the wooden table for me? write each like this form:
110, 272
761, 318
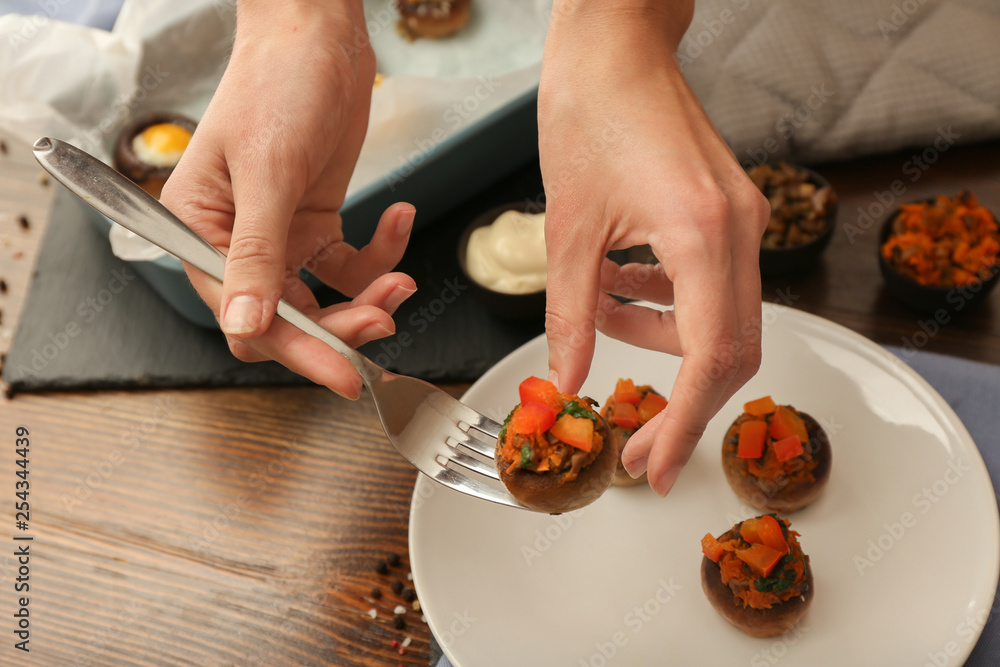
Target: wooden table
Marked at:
244, 526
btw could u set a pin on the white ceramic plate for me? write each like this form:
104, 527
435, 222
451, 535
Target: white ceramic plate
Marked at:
904, 541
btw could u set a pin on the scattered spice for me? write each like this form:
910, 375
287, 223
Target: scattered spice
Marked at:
3, 286
18, 254
3, 147
398, 588
799, 208
945, 242
43, 179
23, 221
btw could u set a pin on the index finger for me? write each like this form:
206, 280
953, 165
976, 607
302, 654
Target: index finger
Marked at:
571, 297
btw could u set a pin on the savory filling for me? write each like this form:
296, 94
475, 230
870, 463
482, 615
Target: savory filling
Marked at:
550, 432
760, 560
630, 407
945, 242
770, 443
799, 208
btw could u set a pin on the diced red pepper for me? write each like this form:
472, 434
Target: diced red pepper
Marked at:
711, 547
651, 406
575, 431
625, 415
625, 392
752, 437
748, 531
785, 423
788, 448
759, 407
760, 557
531, 418
537, 390
769, 532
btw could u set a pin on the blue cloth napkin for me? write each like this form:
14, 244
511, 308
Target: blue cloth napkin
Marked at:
972, 389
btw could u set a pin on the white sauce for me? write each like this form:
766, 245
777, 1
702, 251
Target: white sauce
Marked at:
509, 255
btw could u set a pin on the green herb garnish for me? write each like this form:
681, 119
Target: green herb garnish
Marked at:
525, 456
773, 584
574, 409
506, 422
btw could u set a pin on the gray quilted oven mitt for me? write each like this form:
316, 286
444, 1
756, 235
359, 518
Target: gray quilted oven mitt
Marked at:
833, 79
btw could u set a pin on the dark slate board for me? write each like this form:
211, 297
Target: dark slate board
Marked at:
137, 340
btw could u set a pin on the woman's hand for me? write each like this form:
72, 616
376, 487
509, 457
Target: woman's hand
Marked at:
265, 176
628, 158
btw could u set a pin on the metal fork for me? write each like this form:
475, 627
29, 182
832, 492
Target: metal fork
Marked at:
438, 434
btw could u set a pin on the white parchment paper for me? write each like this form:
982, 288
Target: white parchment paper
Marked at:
83, 85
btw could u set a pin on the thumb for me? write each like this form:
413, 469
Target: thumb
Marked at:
255, 264
571, 296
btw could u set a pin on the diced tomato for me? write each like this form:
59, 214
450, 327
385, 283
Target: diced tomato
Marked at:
748, 531
575, 431
531, 418
537, 390
651, 406
769, 531
625, 415
759, 407
625, 392
787, 448
711, 547
751, 442
760, 557
785, 423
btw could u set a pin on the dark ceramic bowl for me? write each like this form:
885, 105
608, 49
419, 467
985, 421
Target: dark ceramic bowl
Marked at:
508, 306
782, 261
925, 299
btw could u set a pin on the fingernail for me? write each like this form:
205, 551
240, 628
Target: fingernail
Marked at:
356, 394
242, 315
398, 295
405, 222
665, 483
373, 331
554, 378
636, 467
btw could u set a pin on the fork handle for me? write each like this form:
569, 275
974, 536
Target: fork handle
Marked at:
130, 206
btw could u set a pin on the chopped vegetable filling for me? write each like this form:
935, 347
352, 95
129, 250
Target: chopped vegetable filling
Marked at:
631, 406
762, 563
946, 243
771, 446
550, 432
